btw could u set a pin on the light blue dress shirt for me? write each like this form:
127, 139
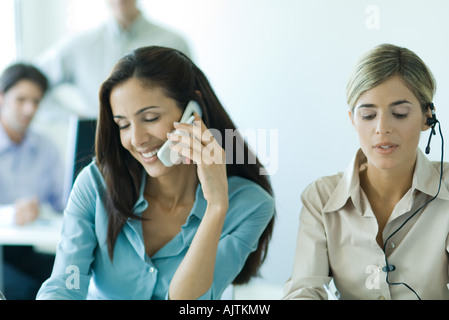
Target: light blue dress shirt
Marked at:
83, 268
31, 168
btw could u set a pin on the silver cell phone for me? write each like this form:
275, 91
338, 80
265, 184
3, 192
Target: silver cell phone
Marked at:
165, 154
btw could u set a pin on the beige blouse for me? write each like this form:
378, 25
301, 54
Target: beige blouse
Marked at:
337, 239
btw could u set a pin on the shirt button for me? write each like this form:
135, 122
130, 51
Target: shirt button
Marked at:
381, 298
151, 270
392, 245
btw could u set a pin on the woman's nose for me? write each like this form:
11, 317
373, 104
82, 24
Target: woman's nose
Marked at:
138, 137
383, 124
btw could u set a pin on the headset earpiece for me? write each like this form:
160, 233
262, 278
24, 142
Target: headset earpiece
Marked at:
432, 120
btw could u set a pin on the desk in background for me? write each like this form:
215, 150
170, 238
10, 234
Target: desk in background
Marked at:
44, 234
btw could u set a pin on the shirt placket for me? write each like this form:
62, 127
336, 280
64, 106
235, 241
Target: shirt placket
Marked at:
376, 273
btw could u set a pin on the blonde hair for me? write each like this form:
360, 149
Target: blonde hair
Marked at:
385, 61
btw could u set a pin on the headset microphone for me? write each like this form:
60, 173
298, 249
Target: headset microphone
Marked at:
431, 122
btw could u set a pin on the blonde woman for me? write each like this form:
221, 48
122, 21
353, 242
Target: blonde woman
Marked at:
379, 229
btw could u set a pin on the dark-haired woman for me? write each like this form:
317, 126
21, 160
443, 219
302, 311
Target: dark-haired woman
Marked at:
136, 229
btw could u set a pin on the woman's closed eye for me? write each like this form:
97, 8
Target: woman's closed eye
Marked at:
125, 124
371, 116
151, 119
368, 116
400, 115
122, 124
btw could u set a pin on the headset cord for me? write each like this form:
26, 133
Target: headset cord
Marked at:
387, 266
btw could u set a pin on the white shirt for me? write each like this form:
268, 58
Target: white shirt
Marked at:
337, 239
85, 60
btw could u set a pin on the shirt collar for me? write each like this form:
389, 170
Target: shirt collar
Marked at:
118, 31
199, 207
349, 185
29, 141
141, 204
426, 179
5, 142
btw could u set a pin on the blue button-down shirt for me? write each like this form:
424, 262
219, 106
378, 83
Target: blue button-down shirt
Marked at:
83, 268
31, 168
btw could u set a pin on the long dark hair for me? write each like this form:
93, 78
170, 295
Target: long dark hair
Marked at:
178, 76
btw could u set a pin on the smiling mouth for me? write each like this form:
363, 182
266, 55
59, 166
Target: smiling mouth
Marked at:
149, 155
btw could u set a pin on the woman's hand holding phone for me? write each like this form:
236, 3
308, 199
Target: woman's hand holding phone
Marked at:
202, 148
195, 274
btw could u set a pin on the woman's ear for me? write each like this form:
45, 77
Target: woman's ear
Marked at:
351, 117
198, 93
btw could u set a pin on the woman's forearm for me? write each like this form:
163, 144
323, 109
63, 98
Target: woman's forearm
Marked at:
195, 274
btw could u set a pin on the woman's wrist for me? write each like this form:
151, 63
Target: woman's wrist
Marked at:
219, 207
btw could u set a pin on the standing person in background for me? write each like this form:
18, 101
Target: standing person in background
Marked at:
30, 174
85, 60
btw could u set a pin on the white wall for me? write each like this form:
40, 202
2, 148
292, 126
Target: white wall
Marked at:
284, 65
7, 33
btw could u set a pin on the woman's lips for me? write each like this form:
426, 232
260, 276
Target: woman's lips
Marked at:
149, 156
385, 147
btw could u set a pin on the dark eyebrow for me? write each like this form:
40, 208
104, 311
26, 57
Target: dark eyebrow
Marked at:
367, 105
395, 103
138, 112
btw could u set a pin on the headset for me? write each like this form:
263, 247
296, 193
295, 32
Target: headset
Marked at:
431, 122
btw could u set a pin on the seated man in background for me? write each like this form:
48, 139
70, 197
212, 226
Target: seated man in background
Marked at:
31, 175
